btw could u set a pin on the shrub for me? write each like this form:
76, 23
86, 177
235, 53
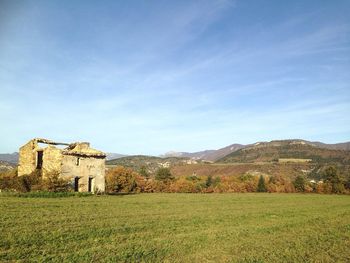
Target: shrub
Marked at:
54, 183
143, 172
299, 183
193, 178
182, 185
163, 174
209, 181
8, 180
121, 180
261, 185
331, 177
25, 183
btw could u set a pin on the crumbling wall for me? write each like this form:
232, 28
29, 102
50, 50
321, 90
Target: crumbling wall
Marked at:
52, 160
84, 167
27, 158
77, 160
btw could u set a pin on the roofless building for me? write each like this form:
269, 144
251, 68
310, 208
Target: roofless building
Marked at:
77, 162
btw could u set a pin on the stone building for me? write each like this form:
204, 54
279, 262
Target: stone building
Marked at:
76, 162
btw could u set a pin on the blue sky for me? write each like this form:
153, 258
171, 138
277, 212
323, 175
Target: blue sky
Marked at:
146, 77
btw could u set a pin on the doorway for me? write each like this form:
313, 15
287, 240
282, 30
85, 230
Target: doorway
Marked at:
76, 184
90, 184
39, 159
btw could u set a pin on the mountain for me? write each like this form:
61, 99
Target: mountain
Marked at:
214, 155
207, 155
5, 166
9, 157
336, 146
287, 150
151, 163
111, 156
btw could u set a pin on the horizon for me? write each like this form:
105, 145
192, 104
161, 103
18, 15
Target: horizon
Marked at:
185, 76
173, 151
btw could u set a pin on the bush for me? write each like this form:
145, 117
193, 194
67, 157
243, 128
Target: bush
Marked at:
209, 181
54, 183
163, 174
8, 179
121, 180
182, 185
299, 183
143, 172
261, 185
331, 177
24, 183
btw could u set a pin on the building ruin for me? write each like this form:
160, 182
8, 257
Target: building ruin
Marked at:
76, 162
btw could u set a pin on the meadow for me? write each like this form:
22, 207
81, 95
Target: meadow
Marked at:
176, 228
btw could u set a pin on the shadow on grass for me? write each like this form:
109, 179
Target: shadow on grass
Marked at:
43, 194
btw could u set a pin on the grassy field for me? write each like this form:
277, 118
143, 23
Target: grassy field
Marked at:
176, 228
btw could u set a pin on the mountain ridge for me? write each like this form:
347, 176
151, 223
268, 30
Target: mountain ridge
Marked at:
289, 151
208, 155
214, 155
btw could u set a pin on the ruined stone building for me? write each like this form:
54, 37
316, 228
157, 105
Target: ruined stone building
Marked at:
76, 162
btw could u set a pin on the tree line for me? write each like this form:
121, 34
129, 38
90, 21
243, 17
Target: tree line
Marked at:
125, 180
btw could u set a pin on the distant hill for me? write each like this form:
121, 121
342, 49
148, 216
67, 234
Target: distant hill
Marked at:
287, 149
151, 163
207, 155
336, 146
214, 155
9, 157
111, 156
5, 166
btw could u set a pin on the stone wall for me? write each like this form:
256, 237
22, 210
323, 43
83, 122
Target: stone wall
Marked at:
84, 168
27, 158
68, 166
52, 161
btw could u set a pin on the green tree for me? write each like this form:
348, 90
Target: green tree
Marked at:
209, 181
332, 177
143, 172
299, 183
54, 183
164, 174
347, 183
261, 185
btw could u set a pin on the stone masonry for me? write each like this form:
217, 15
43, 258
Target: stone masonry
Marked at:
76, 162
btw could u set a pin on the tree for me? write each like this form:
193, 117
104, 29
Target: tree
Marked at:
121, 180
54, 183
299, 183
209, 181
25, 183
347, 183
261, 185
164, 174
331, 176
143, 172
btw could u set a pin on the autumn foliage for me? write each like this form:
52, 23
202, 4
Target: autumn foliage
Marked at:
125, 180
121, 179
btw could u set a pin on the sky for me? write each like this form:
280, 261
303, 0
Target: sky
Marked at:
147, 77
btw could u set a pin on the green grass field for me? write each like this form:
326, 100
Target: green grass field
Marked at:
176, 228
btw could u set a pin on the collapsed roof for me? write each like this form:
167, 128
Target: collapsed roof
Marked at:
76, 148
